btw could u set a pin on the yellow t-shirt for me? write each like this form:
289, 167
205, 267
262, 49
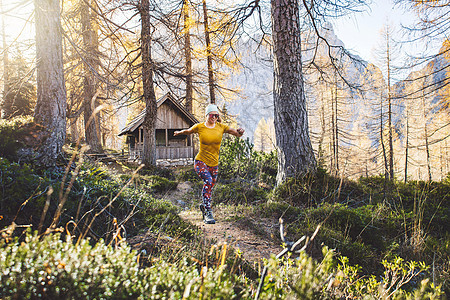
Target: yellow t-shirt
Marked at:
210, 140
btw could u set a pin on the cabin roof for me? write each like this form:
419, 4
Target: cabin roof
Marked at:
139, 119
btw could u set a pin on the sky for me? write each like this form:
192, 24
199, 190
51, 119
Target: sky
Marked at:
360, 32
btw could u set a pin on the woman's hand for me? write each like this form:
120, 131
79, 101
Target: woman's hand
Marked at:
177, 132
236, 132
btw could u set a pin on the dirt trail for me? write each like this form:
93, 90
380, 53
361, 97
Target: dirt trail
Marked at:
253, 237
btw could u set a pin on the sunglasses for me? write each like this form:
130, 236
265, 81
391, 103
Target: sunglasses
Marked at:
214, 116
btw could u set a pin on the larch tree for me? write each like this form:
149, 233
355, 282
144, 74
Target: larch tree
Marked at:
149, 152
388, 58
295, 152
188, 55
387, 55
406, 136
50, 111
5, 56
209, 58
191, 59
431, 28
20, 96
95, 70
91, 63
221, 56
263, 137
329, 115
426, 133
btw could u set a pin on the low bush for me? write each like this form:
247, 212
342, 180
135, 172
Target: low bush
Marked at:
187, 174
239, 193
21, 188
12, 132
93, 200
48, 267
238, 160
151, 183
52, 268
306, 278
158, 171
161, 184
313, 189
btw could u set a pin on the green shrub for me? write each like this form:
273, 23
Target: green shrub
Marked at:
151, 183
293, 191
20, 186
161, 184
238, 160
239, 193
187, 174
363, 234
302, 278
136, 200
313, 189
306, 278
276, 210
24, 193
50, 268
158, 171
11, 134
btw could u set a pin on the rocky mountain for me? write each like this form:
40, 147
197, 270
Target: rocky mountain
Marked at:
347, 106
256, 81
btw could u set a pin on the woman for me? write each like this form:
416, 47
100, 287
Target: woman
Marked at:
207, 160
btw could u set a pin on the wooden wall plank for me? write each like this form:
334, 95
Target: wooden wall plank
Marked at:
168, 117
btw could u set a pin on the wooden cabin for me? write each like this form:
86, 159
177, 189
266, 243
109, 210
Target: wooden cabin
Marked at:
171, 116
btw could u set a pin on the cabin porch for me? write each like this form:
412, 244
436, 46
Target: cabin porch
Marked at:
168, 147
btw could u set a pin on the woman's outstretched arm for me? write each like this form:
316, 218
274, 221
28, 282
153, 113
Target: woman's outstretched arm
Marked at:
236, 132
184, 132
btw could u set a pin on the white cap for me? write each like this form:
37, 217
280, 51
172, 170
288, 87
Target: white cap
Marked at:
210, 108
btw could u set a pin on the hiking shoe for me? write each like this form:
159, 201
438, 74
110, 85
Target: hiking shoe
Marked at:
208, 217
203, 209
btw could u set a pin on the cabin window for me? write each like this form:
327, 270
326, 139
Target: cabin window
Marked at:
160, 137
131, 141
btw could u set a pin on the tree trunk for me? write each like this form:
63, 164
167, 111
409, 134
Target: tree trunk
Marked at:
334, 99
149, 152
5, 58
446, 155
333, 136
427, 146
391, 144
90, 82
188, 56
322, 133
51, 103
211, 83
407, 141
383, 148
295, 152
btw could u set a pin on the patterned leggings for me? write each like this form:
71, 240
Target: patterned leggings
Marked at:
209, 176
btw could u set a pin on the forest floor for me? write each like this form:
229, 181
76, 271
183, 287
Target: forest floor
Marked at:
256, 239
